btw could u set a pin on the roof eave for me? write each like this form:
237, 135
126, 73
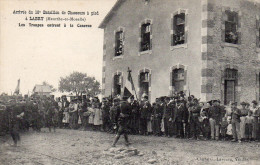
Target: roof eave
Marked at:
110, 14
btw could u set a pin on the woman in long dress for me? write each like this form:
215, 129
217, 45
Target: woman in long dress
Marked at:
98, 116
91, 110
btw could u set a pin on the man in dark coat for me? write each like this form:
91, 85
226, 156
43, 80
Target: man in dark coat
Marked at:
145, 108
194, 110
168, 117
178, 118
105, 115
123, 122
14, 115
134, 115
157, 110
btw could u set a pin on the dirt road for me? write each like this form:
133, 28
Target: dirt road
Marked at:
88, 147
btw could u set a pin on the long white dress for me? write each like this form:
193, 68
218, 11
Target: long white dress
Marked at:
97, 118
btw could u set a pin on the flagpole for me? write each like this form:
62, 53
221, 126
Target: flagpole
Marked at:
129, 71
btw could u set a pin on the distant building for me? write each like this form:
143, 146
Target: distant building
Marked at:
208, 48
42, 90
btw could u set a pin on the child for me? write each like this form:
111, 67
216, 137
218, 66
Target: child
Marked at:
249, 126
224, 125
204, 123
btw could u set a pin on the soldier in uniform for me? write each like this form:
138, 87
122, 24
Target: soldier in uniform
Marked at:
157, 110
114, 109
134, 115
105, 115
14, 115
123, 117
194, 110
49, 114
145, 107
178, 118
168, 117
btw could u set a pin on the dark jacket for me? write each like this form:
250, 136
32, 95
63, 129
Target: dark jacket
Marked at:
179, 113
145, 109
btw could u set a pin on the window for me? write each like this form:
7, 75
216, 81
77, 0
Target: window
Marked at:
179, 29
117, 85
231, 26
119, 47
144, 83
146, 37
230, 85
178, 79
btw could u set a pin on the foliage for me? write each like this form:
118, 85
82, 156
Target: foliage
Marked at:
79, 83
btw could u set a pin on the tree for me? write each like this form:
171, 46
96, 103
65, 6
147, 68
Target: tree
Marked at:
79, 83
47, 84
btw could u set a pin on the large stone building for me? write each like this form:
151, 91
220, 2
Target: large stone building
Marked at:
209, 48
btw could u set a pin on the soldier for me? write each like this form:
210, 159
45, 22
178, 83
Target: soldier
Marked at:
49, 114
168, 117
194, 110
178, 118
123, 122
145, 107
113, 113
235, 121
105, 115
157, 117
135, 114
14, 115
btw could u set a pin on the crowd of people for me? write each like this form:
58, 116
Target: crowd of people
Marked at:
177, 116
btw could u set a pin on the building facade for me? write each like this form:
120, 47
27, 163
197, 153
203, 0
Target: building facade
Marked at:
208, 48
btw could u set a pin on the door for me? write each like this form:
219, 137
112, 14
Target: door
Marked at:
229, 91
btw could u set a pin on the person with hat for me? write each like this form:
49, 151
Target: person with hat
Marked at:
114, 110
215, 119
157, 117
134, 115
168, 111
123, 118
178, 119
235, 121
194, 110
255, 113
145, 108
244, 113
105, 115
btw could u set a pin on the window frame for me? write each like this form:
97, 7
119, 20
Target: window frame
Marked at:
173, 29
119, 29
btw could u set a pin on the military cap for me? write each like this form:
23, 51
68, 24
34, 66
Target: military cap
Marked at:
243, 103
234, 103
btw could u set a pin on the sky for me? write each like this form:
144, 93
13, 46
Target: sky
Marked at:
34, 55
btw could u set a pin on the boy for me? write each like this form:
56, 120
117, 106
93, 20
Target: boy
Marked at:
224, 125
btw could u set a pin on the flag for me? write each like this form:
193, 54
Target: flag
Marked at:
129, 86
17, 89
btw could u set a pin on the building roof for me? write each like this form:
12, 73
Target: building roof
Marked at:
118, 4
110, 14
42, 89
